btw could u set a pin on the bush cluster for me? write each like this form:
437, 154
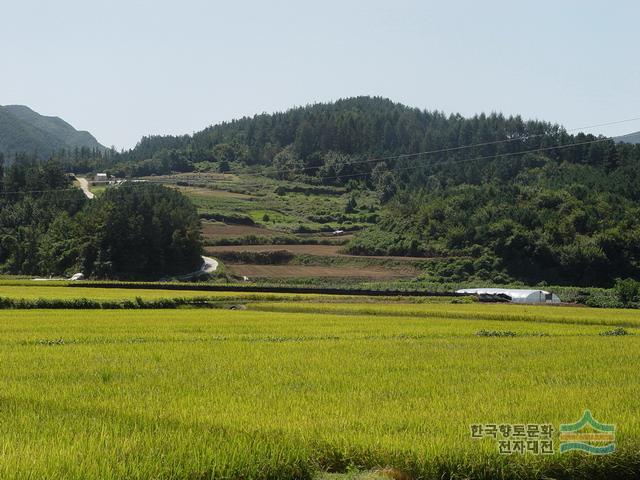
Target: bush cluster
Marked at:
89, 304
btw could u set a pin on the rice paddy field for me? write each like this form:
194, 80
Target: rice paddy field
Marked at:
307, 387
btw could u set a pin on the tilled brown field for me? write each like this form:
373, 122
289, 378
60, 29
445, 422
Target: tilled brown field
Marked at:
320, 250
308, 271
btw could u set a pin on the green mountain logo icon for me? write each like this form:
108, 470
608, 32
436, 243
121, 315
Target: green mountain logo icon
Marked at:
588, 435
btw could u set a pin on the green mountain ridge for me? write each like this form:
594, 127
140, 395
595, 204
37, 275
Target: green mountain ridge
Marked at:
24, 130
629, 138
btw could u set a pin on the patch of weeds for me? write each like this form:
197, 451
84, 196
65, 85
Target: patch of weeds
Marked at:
291, 339
616, 332
495, 333
51, 342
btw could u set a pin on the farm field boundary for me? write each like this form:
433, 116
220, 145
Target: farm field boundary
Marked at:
267, 289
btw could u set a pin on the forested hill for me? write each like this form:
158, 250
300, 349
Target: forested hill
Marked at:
355, 126
513, 199
24, 131
333, 142
137, 231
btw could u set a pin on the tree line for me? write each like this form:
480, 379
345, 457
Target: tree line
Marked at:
48, 227
335, 141
535, 219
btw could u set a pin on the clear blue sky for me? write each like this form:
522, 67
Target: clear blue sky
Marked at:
126, 68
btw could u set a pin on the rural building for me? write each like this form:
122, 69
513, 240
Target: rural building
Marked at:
101, 177
511, 295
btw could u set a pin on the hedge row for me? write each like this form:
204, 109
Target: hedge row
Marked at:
89, 304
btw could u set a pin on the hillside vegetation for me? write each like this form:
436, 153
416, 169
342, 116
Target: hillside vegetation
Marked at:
512, 199
527, 201
540, 220
329, 142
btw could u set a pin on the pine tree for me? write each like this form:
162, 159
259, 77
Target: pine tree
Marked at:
1, 172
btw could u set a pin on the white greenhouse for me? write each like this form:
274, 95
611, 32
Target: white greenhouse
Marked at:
511, 295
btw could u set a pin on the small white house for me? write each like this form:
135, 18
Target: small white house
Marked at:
101, 177
511, 295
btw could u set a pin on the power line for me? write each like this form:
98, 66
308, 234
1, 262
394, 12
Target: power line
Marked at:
18, 192
403, 156
465, 160
474, 145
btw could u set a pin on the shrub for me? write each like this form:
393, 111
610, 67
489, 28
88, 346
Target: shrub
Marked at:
88, 304
496, 333
277, 257
628, 291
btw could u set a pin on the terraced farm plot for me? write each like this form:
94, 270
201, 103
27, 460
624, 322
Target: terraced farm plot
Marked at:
317, 250
320, 250
327, 237
220, 230
300, 208
210, 192
256, 394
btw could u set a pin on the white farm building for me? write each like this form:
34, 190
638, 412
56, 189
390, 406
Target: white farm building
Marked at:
511, 295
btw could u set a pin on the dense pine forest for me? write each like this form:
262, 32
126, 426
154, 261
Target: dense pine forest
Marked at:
337, 142
48, 227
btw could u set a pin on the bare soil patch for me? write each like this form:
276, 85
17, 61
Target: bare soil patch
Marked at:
320, 250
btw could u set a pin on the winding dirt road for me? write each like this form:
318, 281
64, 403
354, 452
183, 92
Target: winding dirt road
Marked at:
84, 185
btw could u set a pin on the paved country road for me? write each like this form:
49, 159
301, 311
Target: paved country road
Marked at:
84, 185
210, 265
